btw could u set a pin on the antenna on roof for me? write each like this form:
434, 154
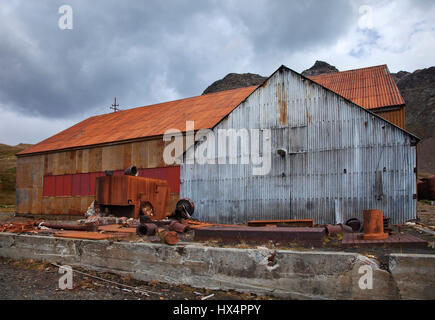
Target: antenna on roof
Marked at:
114, 106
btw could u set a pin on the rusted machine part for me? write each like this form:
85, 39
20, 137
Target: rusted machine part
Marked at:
178, 227
336, 229
345, 228
70, 226
184, 209
146, 229
146, 211
283, 223
170, 237
374, 225
355, 224
333, 230
386, 223
131, 171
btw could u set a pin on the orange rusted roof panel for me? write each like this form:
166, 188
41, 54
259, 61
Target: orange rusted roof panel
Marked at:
206, 110
371, 87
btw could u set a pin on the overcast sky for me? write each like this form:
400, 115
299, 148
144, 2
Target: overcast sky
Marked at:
145, 52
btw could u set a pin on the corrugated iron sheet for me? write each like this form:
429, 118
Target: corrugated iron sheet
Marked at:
154, 120
338, 150
370, 88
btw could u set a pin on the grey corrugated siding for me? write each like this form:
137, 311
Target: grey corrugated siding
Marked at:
332, 135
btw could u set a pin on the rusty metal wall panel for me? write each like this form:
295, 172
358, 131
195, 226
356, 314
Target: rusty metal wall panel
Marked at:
85, 184
67, 185
92, 178
85, 161
170, 174
113, 157
29, 184
70, 162
95, 160
58, 182
49, 186
395, 116
75, 187
341, 146
79, 161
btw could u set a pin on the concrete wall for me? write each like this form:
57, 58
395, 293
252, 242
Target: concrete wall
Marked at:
292, 274
32, 169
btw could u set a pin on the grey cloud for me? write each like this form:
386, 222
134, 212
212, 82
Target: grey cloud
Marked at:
141, 50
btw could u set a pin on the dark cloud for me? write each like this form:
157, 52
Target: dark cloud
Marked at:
146, 51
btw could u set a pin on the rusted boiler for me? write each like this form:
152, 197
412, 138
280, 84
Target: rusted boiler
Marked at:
131, 196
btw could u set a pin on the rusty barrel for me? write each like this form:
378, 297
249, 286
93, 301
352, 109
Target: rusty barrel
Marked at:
374, 225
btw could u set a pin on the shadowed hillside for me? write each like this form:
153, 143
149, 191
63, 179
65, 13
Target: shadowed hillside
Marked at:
8, 172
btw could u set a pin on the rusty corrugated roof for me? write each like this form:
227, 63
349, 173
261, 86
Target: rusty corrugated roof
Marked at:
371, 87
206, 110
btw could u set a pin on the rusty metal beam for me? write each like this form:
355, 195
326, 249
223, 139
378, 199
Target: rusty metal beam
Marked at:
284, 223
311, 236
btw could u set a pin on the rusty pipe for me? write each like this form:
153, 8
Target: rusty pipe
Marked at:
374, 225
130, 171
178, 227
146, 229
70, 226
333, 230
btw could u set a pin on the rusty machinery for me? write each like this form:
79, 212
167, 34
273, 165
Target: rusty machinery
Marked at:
138, 197
132, 196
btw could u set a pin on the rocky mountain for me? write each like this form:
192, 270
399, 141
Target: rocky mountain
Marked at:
319, 67
234, 81
418, 91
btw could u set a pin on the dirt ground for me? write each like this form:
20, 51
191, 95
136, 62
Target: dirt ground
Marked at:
33, 280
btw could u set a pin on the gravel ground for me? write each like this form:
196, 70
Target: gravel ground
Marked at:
33, 280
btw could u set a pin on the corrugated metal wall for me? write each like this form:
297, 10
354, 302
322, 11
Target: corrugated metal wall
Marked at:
344, 158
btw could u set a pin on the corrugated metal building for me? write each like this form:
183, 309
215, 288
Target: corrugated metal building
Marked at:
339, 157
57, 175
